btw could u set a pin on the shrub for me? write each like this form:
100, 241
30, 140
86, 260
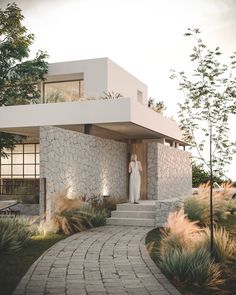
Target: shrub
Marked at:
74, 215
182, 255
224, 247
178, 224
196, 209
13, 234
190, 267
70, 222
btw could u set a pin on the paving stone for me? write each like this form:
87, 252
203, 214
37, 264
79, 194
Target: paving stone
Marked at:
106, 260
137, 291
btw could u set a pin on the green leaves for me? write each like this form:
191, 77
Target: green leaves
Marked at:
210, 97
8, 141
19, 75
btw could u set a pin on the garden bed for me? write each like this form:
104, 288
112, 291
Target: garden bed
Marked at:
229, 269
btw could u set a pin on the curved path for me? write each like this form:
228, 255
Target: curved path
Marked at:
104, 260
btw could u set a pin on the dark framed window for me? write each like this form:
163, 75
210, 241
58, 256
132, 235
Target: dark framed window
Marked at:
63, 91
21, 162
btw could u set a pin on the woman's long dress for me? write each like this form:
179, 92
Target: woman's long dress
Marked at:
134, 183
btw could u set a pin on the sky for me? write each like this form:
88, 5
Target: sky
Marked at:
143, 36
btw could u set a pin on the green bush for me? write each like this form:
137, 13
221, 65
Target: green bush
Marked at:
193, 267
220, 209
196, 209
200, 175
13, 234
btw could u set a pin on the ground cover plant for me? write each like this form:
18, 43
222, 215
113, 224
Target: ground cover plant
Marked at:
181, 250
73, 215
16, 264
14, 233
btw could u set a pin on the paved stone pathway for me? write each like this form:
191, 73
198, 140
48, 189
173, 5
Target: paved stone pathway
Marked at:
104, 260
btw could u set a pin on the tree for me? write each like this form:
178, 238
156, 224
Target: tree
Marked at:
200, 175
19, 75
210, 98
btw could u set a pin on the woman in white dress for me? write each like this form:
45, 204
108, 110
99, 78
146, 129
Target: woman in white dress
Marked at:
135, 168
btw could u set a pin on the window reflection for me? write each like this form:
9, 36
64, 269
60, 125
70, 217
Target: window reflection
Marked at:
22, 162
65, 91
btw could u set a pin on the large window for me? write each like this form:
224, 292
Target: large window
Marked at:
63, 91
21, 162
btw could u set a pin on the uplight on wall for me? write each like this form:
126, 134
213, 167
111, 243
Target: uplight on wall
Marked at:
104, 183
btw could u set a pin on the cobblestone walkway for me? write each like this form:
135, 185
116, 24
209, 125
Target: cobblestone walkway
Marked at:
105, 260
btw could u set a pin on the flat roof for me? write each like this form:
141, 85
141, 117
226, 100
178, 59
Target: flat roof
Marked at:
122, 118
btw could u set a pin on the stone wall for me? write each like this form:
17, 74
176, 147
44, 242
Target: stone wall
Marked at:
163, 208
85, 164
169, 172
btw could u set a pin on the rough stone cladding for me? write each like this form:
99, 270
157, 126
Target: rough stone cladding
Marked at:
169, 172
88, 165
164, 207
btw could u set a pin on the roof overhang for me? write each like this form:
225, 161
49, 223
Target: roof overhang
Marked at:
120, 119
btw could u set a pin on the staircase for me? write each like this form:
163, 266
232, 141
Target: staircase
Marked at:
142, 214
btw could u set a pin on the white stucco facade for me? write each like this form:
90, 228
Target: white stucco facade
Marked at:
100, 75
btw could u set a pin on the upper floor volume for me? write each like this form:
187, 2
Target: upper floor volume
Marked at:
71, 99
89, 79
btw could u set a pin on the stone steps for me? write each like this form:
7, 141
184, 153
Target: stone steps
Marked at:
134, 214
142, 214
135, 207
131, 221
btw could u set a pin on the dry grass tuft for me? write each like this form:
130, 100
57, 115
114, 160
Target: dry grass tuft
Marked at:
224, 245
73, 215
197, 206
178, 223
63, 201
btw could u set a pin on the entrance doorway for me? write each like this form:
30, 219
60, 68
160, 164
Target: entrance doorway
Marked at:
140, 149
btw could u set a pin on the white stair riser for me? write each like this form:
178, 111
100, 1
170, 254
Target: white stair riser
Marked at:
133, 214
132, 222
135, 207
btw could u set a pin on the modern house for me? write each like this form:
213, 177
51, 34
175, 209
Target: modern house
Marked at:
80, 139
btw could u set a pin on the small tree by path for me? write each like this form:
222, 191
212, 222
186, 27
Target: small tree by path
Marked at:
19, 75
210, 99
